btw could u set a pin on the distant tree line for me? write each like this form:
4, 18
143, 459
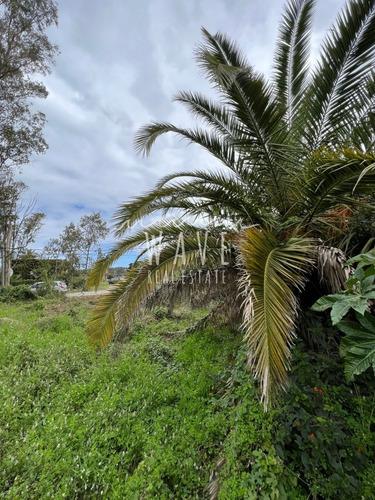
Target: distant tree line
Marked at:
79, 243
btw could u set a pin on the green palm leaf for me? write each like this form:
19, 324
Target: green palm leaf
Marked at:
272, 273
292, 53
332, 177
218, 146
345, 60
150, 239
358, 345
216, 116
124, 299
362, 117
220, 59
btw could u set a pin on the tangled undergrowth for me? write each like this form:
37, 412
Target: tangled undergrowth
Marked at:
171, 415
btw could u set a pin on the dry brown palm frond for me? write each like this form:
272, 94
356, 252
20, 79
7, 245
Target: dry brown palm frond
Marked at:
224, 314
332, 272
216, 289
338, 220
198, 288
213, 487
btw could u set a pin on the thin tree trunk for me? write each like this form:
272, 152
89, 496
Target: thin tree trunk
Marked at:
7, 260
2, 265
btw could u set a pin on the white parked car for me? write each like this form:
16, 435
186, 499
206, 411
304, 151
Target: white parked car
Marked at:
60, 286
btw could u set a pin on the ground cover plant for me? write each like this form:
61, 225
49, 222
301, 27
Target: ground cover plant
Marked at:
171, 415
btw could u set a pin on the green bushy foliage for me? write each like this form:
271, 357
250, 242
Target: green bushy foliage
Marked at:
169, 415
325, 428
78, 282
14, 293
77, 424
318, 441
252, 468
358, 345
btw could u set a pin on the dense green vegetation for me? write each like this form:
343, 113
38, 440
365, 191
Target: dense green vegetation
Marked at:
358, 344
291, 199
171, 415
172, 412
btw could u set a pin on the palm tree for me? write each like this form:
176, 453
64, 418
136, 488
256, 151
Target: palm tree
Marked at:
293, 151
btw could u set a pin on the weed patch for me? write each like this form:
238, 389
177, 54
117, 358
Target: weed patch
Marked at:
170, 416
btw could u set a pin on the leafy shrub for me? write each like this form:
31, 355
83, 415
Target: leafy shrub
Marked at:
78, 282
358, 345
252, 467
325, 431
13, 293
318, 441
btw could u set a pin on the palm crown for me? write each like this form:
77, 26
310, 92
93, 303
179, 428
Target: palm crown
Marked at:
292, 151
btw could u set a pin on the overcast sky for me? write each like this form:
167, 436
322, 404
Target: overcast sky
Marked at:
121, 62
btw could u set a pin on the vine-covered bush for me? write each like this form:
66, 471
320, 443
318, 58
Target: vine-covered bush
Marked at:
319, 440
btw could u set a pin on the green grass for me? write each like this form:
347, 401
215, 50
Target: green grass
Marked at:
77, 423
103, 285
164, 415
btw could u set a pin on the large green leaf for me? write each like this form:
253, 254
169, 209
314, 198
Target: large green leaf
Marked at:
360, 290
358, 345
363, 259
324, 303
342, 307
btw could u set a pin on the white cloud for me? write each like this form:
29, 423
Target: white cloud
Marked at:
120, 65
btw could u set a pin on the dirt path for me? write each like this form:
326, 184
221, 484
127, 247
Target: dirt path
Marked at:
85, 294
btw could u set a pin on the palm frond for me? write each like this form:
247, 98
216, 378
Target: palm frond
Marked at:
216, 145
346, 58
291, 55
123, 300
362, 116
160, 199
272, 274
249, 97
220, 59
331, 177
149, 239
199, 193
103, 318
216, 116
